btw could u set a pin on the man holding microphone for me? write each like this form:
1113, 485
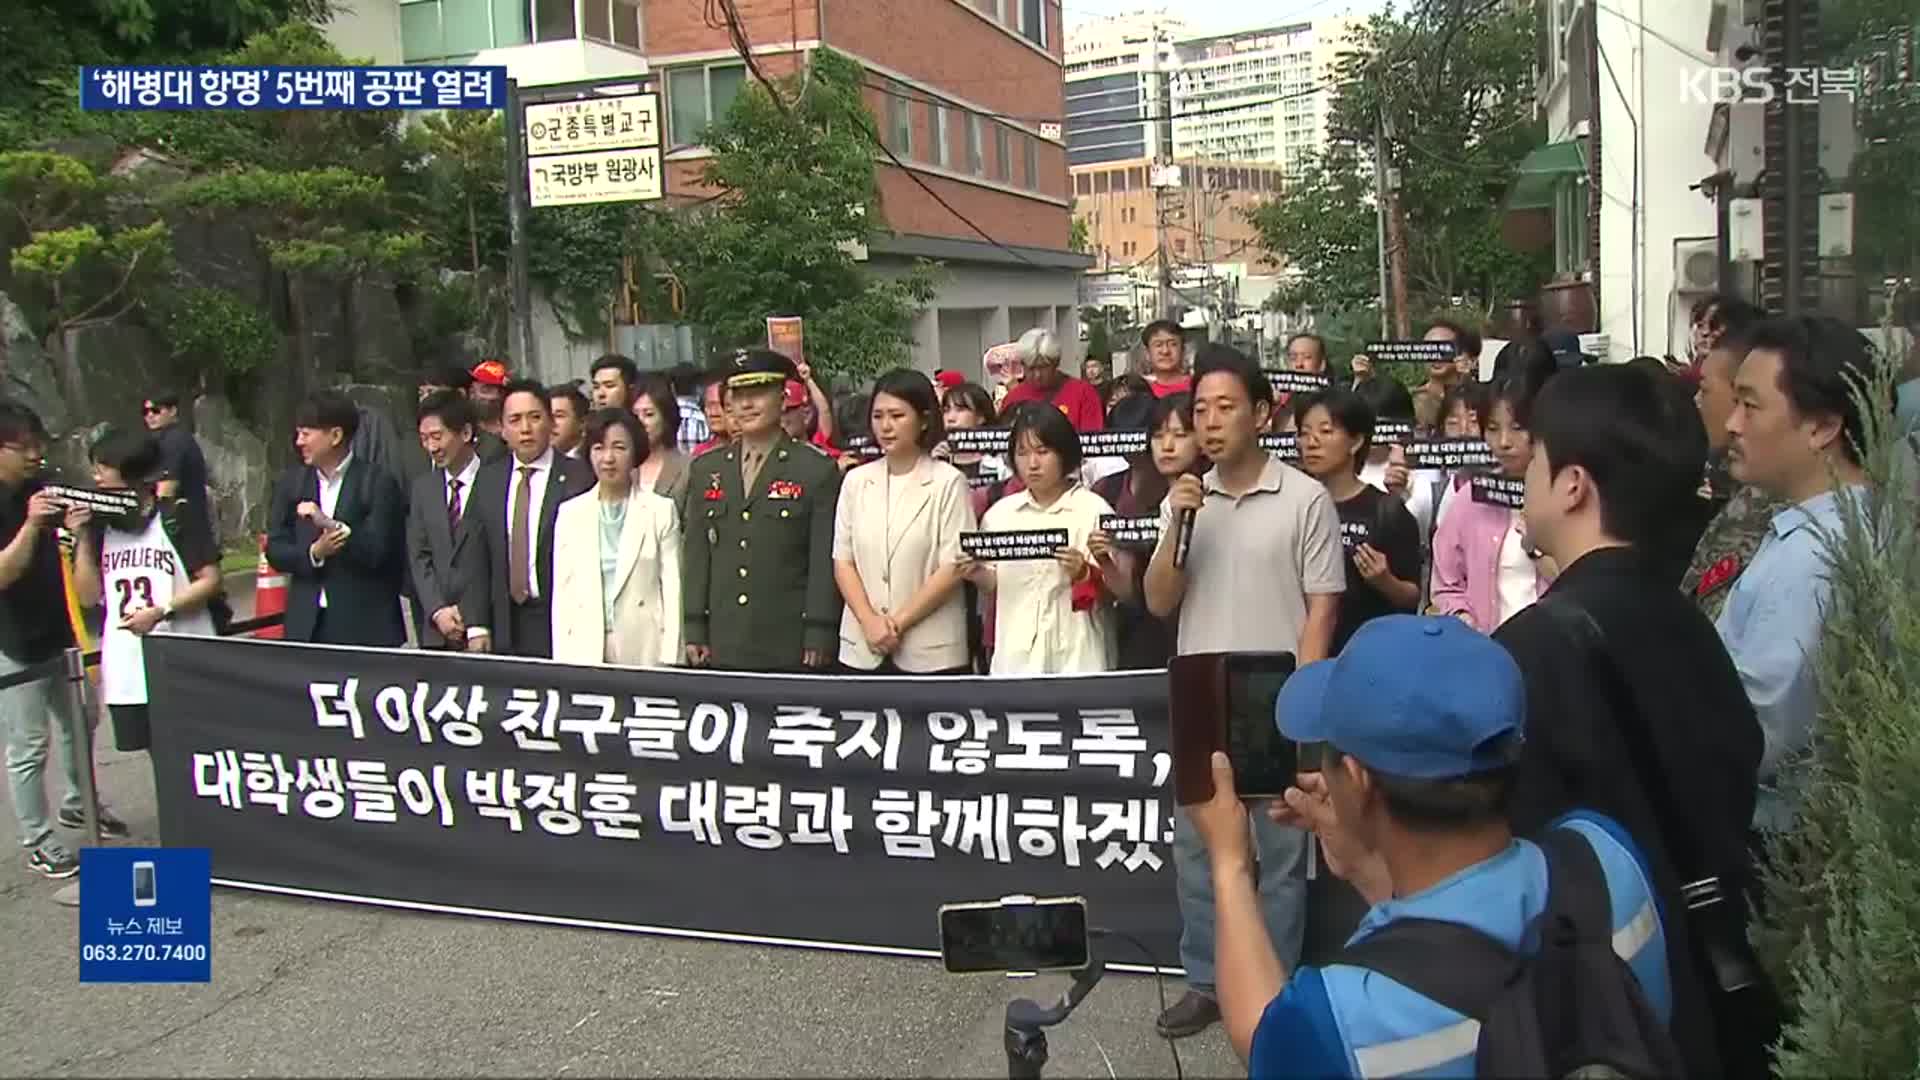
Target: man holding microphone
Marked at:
1262, 571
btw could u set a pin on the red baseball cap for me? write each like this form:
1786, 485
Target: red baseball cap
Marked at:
490, 372
796, 394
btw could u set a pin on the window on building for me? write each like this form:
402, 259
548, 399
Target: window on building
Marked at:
699, 95
617, 21
1031, 151
1137, 178
552, 20
1101, 184
899, 120
1002, 154
626, 23
1119, 179
976, 151
939, 129
1033, 21
1083, 184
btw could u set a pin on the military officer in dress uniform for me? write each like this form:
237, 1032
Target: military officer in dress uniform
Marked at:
758, 560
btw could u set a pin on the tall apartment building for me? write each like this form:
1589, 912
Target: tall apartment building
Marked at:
977, 142
1140, 86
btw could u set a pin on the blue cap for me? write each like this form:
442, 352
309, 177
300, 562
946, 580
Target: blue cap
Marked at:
1414, 696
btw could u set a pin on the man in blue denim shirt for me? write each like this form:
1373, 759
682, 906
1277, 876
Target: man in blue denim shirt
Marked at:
1409, 805
1796, 435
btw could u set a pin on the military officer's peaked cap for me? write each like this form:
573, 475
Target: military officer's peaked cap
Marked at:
759, 367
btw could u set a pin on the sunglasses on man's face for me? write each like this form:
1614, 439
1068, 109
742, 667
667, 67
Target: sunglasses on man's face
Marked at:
151, 410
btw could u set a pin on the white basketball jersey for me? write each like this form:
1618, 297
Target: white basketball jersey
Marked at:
139, 570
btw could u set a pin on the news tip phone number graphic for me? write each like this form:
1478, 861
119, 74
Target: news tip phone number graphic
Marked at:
143, 952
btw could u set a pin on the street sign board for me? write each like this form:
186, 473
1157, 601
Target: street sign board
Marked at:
601, 123
593, 177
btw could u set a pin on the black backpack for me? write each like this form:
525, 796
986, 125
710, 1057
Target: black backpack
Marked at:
1572, 1009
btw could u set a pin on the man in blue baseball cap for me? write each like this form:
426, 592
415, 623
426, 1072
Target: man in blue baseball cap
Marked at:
1418, 725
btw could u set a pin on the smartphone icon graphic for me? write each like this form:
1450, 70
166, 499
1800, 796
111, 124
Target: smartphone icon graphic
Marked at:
145, 889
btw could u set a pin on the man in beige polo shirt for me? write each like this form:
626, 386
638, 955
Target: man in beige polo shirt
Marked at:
1263, 573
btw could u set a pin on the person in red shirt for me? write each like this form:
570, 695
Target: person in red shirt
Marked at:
1166, 358
1045, 382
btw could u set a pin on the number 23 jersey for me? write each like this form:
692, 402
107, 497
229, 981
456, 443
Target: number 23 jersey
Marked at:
139, 570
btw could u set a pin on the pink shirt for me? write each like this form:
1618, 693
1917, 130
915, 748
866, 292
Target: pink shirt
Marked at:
1466, 561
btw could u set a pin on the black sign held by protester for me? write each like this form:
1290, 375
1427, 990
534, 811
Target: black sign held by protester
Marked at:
1113, 443
98, 500
1450, 454
1132, 532
1284, 445
1500, 491
1013, 544
1355, 533
1411, 352
862, 446
1288, 381
978, 440
1392, 432
827, 811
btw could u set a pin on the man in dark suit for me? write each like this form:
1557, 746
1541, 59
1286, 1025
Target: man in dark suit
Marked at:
757, 561
506, 561
337, 527
437, 516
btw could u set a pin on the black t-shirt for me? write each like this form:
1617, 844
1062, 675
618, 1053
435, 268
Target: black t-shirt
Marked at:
33, 610
183, 463
1376, 518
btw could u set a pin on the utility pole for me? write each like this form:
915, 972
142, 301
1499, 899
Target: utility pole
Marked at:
522, 349
1396, 228
1163, 297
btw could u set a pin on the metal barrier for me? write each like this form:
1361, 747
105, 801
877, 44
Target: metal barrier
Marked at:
72, 665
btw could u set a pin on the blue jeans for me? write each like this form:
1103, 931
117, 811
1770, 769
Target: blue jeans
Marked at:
1283, 894
26, 712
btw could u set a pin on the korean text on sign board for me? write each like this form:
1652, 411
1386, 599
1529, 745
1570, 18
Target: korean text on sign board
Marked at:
1131, 532
1287, 381
978, 440
627, 122
1500, 491
1450, 454
1284, 445
1411, 352
1013, 544
596, 176
1114, 442
224, 87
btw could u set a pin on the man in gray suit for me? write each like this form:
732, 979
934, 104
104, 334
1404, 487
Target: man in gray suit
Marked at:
436, 518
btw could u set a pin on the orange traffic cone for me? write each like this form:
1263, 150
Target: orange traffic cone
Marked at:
269, 594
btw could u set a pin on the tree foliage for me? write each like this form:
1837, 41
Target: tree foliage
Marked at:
1839, 924
1454, 83
794, 192
218, 332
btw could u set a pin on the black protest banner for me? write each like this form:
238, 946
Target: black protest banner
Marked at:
1450, 454
1284, 445
1131, 532
813, 810
1012, 544
978, 440
862, 446
1114, 442
1411, 352
1355, 533
1500, 491
1288, 381
98, 500
1392, 432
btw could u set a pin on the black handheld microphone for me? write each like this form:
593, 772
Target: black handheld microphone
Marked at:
1183, 531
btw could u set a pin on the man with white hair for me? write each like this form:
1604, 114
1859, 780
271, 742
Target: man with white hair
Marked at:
1040, 352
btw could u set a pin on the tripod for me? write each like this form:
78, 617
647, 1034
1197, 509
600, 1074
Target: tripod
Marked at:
1028, 1021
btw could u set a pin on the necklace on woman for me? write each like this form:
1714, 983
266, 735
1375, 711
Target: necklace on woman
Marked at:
613, 511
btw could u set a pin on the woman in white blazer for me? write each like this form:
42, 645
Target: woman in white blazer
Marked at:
616, 558
896, 541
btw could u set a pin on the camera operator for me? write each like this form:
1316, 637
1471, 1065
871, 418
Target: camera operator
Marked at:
1410, 807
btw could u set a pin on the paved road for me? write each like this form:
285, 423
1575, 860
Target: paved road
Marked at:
315, 988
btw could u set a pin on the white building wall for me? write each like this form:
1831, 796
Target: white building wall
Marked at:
1639, 309
977, 306
366, 30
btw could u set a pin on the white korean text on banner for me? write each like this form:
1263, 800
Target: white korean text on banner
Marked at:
812, 810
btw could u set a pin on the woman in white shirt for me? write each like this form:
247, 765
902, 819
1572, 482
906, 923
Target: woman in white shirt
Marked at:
896, 541
1050, 614
616, 558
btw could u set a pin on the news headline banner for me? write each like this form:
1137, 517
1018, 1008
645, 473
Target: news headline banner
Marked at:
664, 801
1410, 352
1009, 545
1131, 532
1500, 491
223, 87
1450, 454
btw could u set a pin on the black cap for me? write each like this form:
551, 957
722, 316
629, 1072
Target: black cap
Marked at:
759, 367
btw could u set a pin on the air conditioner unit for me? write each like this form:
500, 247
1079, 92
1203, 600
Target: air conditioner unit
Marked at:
1696, 266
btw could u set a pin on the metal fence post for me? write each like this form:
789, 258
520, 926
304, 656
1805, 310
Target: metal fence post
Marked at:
76, 674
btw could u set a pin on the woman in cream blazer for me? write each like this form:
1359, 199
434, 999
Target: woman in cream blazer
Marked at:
896, 541
616, 559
